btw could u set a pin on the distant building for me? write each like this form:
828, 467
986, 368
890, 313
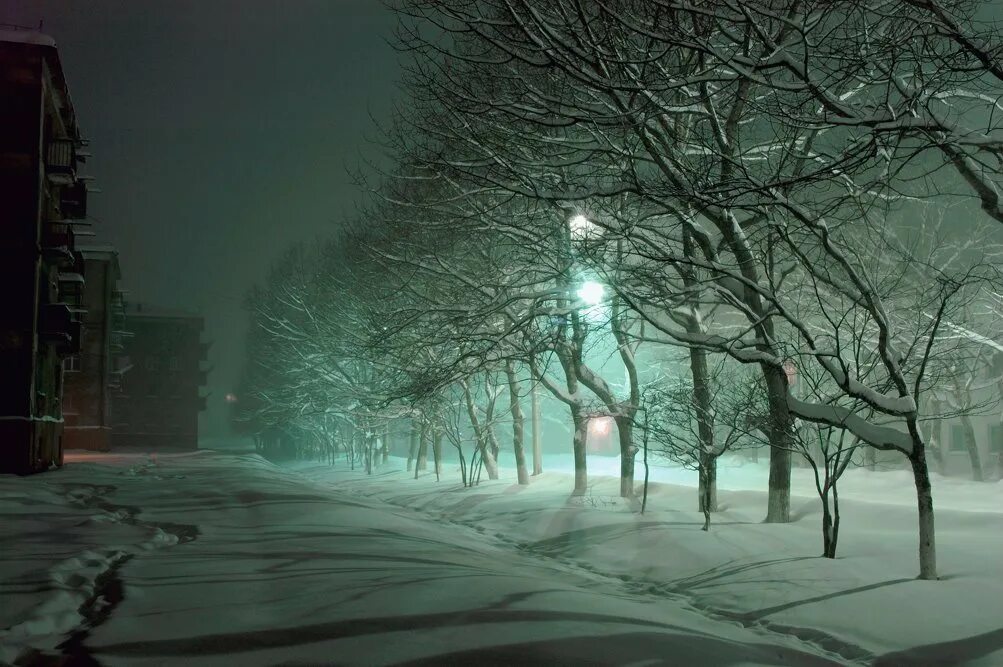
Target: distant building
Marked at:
42, 198
159, 403
93, 375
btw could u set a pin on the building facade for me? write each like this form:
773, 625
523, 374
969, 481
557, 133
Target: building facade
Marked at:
92, 376
42, 198
159, 402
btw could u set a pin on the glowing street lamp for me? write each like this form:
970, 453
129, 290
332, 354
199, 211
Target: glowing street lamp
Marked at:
581, 227
600, 426
591, 293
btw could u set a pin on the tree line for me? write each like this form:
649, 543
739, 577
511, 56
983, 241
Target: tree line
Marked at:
717, 223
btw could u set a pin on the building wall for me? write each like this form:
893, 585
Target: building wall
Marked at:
160, 403
33, 109
87, 389
988, 430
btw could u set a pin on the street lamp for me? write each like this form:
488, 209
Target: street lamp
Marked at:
581, 227
591, 293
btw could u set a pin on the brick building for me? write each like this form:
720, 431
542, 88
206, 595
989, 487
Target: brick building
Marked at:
42, 197
159, 402
93, 375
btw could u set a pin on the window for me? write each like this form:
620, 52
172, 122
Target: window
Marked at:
996, 438
71, 364
958, 438
173, 364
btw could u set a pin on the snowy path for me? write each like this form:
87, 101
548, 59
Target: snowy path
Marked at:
215, 559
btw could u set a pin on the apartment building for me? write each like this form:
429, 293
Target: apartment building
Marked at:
93, 375
160, 399
42, 200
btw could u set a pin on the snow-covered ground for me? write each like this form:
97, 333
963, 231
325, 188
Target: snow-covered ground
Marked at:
864, 606
222, 558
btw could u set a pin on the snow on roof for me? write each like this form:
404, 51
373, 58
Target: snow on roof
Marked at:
25, 36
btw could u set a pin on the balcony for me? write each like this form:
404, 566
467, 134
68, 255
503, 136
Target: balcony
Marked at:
57, 326
57, 236
61, 161
57, 242
120, 365
73, 201
71, 287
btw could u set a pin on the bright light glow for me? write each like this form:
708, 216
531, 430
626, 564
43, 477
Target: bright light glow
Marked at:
600, 426
230, 398
591, 293
581, 227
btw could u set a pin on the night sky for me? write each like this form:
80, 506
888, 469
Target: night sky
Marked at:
222, 131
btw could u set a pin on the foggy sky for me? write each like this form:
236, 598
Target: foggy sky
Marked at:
221, 131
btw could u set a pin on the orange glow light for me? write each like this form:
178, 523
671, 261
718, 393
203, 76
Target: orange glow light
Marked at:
600, 426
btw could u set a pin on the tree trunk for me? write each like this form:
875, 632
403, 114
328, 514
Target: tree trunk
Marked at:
518, 424
644, 442
370, 445
537, 451
828, 534
421, 463
386, 443
487, 461
704, 490
437, 452
835, 519
924, 501
704, 409
578, 444
708, 484
625, 432
463, 468
412, 451
493, 444
490, 438
978, 475
487, 458
779, 500
935, 442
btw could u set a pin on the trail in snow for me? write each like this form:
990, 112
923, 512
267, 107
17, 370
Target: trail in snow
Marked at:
287, 570
84, 590
307, 564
